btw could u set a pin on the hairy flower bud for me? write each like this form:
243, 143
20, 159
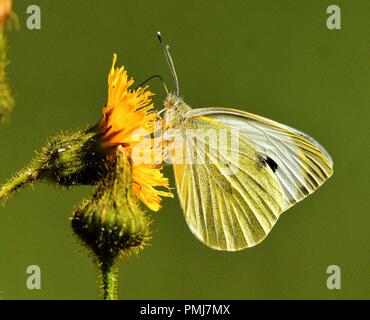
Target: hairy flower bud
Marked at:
111, 221
67, 159
74, 159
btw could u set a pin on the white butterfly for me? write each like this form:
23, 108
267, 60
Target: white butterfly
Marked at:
277, 167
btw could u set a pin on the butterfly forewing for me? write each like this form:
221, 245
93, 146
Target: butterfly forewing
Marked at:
299, 162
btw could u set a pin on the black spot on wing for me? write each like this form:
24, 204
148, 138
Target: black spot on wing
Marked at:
271, 163
268, 161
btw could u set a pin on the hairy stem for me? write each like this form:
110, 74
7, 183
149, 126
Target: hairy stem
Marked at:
108, 281
21, 179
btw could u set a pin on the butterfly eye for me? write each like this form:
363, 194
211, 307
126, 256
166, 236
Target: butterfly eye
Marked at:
169, 104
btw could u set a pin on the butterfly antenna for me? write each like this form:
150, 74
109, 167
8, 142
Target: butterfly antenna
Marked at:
153, 77
167, 54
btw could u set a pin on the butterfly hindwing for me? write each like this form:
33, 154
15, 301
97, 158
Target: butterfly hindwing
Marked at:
230, 196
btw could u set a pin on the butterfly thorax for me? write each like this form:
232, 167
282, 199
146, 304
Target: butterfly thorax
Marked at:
175, 110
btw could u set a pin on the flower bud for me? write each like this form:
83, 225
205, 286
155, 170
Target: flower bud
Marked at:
78, 158
74, 159
111, 223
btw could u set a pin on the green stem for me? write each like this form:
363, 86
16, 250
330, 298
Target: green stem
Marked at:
24, 177
108, 281
6, 99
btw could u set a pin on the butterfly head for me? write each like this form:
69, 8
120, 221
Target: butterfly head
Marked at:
174, 105
172, 101
175, 109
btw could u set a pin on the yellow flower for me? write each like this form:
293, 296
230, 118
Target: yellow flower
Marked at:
5, 11
126, 111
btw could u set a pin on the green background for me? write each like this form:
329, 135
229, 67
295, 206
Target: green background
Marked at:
273, 58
